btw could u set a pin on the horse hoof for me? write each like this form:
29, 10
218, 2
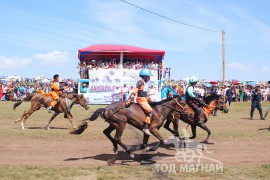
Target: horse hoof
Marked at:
131, 155
115, 150
17, 120
147, 149
111, 161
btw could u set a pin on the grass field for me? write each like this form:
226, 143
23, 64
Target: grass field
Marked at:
233, 126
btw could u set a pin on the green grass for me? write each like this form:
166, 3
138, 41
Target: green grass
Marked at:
235, 124
126, 172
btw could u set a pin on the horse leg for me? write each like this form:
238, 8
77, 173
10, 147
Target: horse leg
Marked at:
204, 127
193, 129
107, 132
18, 120
52, 118
156, 133
167, 126
26, 116
117, 138
70, 120
175, 128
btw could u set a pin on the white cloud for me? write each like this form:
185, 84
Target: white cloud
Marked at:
13, 63
54, 58
239, 66
265, 68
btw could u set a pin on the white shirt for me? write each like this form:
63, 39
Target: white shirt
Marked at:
125, 90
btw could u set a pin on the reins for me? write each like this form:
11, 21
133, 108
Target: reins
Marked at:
180, 111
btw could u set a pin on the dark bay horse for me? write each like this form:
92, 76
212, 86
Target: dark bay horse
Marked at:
117, 115
44, 100
186, 114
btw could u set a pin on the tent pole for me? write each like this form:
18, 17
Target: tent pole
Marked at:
121, 60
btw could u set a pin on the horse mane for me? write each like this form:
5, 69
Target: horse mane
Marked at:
210, 98
163, 101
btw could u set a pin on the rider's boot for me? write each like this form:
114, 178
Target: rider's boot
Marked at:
49, 109
146, 124
146, 130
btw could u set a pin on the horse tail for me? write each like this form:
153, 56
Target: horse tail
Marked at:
26, 99
84, 124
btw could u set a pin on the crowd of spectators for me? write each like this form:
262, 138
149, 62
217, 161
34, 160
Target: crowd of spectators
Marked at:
85, 66
232, 93
14, 91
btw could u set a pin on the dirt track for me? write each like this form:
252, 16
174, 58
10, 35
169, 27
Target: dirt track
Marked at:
79, 151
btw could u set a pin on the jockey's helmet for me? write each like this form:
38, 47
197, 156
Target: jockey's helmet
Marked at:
145, 72
193, 79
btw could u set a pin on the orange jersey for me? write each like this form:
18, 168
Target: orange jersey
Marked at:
56, 88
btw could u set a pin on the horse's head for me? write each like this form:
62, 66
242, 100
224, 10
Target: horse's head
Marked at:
220, 105
79, 99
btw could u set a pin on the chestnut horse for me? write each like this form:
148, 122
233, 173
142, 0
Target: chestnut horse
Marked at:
44, 100
186, 114
117, 115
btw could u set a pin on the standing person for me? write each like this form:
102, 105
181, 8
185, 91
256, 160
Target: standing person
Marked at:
70, 89
229, 95
164, 92
1, 91
151, 91
256, 102
192, 100
5, 91
116, 96
125, 92
241, 94
142, 98
56, 90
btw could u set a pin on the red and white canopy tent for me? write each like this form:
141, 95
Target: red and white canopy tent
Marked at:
113, 51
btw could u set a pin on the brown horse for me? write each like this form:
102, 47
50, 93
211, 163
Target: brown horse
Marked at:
44, 100
117, 115
186, 114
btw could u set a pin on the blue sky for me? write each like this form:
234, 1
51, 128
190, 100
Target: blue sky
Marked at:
41, 38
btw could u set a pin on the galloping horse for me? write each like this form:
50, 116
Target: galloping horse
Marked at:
44, 100
117, 115
186, 114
